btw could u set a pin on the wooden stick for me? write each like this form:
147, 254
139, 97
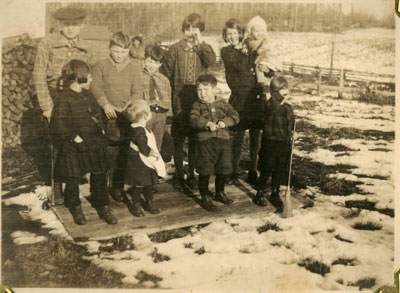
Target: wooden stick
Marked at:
287, 207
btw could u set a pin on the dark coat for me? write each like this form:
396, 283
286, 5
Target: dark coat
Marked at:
72, 116
174, 68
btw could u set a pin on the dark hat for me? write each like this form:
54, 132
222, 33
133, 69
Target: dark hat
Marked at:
70, 13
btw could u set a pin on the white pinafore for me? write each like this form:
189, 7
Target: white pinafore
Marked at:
155, 163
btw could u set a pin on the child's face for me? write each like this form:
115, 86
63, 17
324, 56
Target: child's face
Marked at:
119, 54
86, 85
284, 92
152, 66
258, 31
70, 29
136, 43
206, 92
232, 36
192, 33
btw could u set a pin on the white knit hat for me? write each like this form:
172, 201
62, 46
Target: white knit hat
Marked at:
254, 21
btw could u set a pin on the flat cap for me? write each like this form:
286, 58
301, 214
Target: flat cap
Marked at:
70, 13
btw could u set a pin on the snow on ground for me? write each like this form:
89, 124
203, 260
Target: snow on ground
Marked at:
233, 256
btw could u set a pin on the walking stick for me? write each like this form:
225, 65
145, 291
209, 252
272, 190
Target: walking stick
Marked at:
287, 207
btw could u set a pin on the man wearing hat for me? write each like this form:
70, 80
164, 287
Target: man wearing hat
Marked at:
53, 52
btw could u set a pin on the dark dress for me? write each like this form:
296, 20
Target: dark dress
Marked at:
137, 173
72, 116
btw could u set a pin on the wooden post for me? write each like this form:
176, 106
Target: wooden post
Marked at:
332, 54
341, 83
319, 81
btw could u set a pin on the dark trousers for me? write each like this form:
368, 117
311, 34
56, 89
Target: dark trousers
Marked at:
179, 143
214, 156
135, 193
98, 190
275, 180
220, 180
237, 142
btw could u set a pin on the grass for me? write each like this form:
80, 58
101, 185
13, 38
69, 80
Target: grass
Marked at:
143, 277
158, 257
268, 226
121, 244
164, 236
365, 283
200, 251
245, 249
188, 245
58, 263
315, 266
340, 148
334, 186
367, 226
379, 150
345, 262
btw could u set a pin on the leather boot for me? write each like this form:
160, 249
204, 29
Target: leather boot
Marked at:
148, 206
116, 194
260, 198
137, 210
207, 202
233, 179
77, 215
106, 214
220, 195
276, 200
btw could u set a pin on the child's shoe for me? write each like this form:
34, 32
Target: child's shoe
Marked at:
260, 198
252, 177
207, 202
179, 184
148, 206
77, 215
137, 210
106, 215
233, 179
221, 196
276, 200
116, 194
192, 182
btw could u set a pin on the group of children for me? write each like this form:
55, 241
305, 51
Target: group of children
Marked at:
129, 96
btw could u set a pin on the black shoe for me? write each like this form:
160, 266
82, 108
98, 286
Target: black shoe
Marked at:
260, 199
106, 214
252, 177
137, 210
148, 206
192, 182
221, 196
179, 184
207, 203
116, 194
77, 215
276, 200
233, 179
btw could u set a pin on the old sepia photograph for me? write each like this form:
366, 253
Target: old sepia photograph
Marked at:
198, 146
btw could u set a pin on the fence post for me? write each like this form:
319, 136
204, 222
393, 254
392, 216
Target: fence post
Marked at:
341, 83
319, 81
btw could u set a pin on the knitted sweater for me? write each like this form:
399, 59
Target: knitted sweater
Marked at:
220, 110
116, 84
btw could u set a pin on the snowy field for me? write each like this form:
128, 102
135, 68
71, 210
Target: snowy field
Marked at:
323, 246
234, 256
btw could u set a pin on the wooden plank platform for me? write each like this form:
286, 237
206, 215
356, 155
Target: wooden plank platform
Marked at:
177, 210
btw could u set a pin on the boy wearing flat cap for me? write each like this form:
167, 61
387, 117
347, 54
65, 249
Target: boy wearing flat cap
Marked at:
53, 52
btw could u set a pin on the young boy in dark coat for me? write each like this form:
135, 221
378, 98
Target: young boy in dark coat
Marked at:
274, 155
212, 118
185, 61
78, 124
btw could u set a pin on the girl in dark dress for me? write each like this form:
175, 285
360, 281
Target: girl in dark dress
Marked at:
78, 125
245, 97
144, 163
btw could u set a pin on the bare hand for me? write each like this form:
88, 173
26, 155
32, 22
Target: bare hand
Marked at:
78, 139
110, 111
263, 67
221, 124
212, 126
47, 114
197, 36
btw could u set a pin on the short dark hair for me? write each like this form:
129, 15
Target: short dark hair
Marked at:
76, 70
278, 83
206, 79
138, 38
193, 20
154, 52
235, 24
120, 39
